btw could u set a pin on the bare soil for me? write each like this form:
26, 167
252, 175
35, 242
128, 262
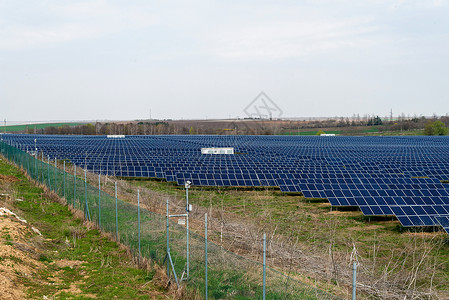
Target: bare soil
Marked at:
18, 256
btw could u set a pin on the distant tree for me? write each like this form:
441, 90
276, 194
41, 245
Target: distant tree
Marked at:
436, 128
51, 130
374, 121
104, 129
439, 128
65, 129
320, 132
192, 130
428, 129
89, 129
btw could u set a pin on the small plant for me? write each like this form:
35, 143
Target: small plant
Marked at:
44, 258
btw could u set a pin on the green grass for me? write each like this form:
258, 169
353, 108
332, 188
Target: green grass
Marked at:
313, 224
15, 128
105, 270
397, 132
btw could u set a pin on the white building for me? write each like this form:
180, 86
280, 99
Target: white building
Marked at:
223, 150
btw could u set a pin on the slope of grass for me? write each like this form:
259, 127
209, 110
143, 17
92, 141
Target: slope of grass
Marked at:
78, 261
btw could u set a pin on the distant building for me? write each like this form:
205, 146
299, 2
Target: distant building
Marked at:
225, 150
327, 134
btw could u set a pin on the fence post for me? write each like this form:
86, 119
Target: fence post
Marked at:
42, 166
74, 187
138, 221
64, 183
48, 172
85, 193
99, 201
86, 208
168, 245
116, 212
187, 186
264, 265
36, 171
354, 280
28, 163
205, 252
55, 176
35, 157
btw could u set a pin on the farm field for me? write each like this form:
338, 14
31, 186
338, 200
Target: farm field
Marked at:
25, 127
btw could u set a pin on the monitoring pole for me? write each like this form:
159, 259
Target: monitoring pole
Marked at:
186, 216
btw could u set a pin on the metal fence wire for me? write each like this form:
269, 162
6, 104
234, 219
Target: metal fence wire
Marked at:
229, 276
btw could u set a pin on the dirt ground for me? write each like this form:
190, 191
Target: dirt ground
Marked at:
18, 255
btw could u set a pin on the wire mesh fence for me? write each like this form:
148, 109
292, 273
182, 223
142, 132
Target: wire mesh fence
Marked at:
229, 276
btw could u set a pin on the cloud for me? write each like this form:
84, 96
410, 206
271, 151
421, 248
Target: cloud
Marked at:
59, 22
295, 39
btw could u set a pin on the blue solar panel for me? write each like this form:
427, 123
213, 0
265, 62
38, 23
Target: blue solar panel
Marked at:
377, 174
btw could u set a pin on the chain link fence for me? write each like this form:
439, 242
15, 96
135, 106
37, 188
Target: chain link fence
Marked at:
229, 276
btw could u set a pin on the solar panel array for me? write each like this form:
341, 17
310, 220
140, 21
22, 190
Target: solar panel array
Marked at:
398, 176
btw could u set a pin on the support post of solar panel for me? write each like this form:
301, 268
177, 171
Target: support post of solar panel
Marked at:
354, 280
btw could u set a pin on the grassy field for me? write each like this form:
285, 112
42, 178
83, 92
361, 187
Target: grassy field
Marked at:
16, 128
70, 260
394, 261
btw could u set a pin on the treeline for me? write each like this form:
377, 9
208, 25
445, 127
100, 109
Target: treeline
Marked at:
349, 126
131, 128
401, 123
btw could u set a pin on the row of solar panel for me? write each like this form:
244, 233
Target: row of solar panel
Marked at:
372, 173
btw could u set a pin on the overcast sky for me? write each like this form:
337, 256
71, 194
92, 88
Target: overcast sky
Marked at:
87, 60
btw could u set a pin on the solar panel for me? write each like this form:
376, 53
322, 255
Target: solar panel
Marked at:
398, 176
